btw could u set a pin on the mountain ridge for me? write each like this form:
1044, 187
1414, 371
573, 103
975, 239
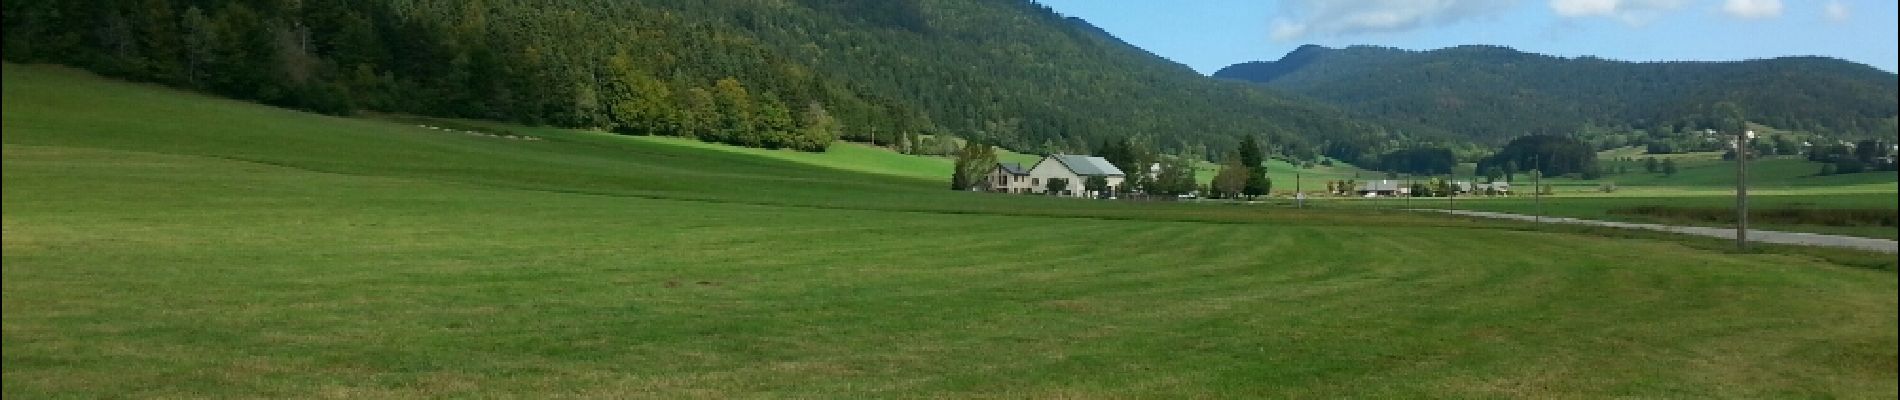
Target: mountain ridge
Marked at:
1491, 93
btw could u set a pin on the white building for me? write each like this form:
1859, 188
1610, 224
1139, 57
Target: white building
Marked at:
1009, 178
1072, 171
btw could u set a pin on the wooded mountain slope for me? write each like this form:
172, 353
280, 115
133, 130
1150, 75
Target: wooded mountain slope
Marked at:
1494, 93
1005, 71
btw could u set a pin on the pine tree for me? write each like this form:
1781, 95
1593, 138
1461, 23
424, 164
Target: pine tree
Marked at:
244, 61
160, 41
1256, 183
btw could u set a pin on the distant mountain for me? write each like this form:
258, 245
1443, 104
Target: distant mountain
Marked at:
1491, 93
755, 73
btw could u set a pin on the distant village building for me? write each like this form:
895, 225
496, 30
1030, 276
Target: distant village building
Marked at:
1073, 169
1384, 188
1462, 187
1494, 188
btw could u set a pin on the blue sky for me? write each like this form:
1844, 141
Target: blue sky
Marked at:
1210, 34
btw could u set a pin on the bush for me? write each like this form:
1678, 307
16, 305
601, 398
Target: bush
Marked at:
1849, 166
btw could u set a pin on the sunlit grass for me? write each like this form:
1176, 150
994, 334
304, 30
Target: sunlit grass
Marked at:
161, 244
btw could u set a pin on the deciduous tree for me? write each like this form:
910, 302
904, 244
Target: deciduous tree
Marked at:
1231, 181
973, 163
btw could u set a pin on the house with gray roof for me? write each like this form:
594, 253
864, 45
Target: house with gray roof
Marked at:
1069, 170
1008, 178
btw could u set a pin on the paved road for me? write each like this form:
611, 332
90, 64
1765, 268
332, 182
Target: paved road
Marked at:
1798, 238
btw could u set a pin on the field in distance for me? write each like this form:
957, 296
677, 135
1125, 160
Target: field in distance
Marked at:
166, 244
1786, 193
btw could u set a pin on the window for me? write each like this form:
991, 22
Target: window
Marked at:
1035, 181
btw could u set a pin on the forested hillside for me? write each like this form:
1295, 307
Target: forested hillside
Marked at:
1492, 94
755, 73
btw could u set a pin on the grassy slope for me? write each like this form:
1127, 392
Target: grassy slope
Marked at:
160, 245
853, 157
1284, 175
1709, 170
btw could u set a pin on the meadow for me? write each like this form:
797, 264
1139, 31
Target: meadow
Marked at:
1785, 194
166, 244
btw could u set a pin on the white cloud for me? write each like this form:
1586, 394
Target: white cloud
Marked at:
1584, 8
1301, 18
1633, 12
1837, 11
1284, 30
1752, 9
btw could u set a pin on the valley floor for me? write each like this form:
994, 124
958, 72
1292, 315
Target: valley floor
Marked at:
263, 280
163, 244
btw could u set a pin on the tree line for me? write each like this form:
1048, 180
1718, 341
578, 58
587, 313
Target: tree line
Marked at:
1547, 154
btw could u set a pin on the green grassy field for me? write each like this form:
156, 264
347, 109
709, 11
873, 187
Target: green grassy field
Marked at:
1703, 180
160, 244
1709, 170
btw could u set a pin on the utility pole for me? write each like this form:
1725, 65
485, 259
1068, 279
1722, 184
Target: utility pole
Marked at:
1408, 191
1453, 196
1741, 189
1537, 191
1299, 197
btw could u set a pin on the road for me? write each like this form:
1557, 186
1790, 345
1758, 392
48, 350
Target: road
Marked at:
1754, 235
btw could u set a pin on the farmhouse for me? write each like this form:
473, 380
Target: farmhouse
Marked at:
1009, 178
1067, 172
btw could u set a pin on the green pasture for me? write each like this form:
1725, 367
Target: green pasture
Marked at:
1703, 180
166, 244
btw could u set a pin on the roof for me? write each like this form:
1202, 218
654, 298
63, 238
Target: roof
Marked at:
1380, 186
1087, 165
1012, 168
